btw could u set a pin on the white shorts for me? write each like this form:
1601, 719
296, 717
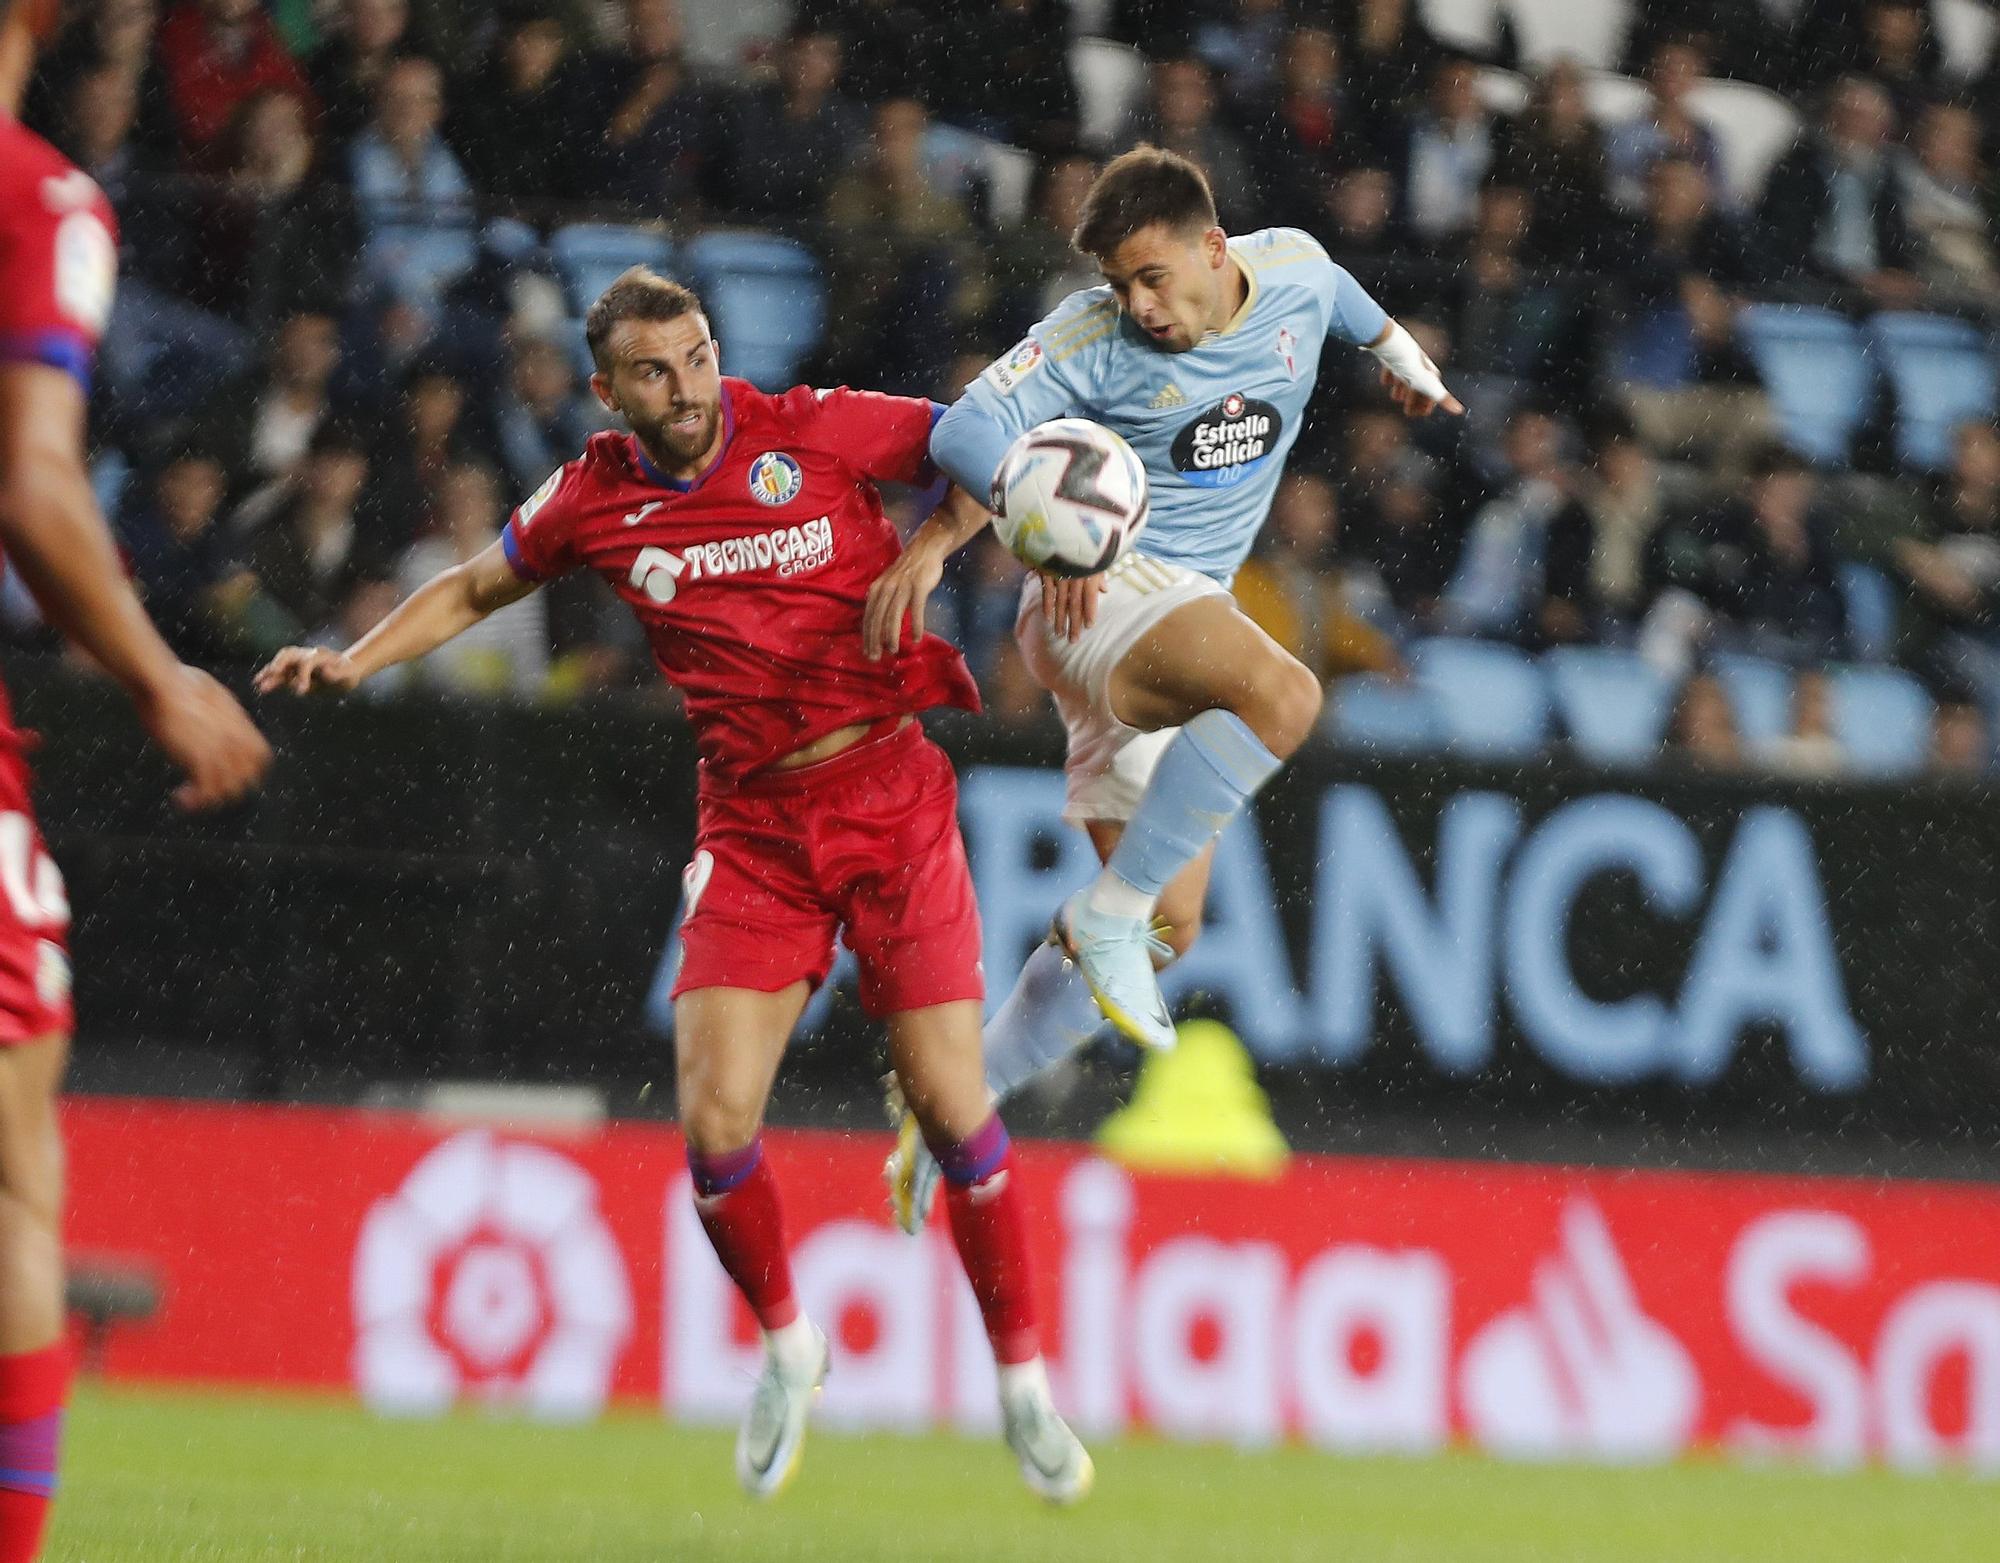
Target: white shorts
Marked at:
1109, 763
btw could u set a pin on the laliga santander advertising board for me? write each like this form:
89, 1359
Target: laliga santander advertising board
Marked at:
1353, 1304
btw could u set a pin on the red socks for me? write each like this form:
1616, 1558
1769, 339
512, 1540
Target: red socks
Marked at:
32, 1386
737, 1200
991, 1237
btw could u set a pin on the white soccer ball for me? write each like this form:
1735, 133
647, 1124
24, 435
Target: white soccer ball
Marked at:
1070, 497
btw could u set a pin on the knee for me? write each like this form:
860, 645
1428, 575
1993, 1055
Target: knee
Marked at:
1282, 705
716, 1120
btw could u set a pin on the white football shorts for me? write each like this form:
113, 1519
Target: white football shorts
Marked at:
1109, 763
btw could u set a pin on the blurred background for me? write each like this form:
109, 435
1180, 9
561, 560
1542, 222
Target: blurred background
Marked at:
1651, 824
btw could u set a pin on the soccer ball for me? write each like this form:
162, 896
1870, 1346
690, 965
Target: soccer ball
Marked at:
1070, 497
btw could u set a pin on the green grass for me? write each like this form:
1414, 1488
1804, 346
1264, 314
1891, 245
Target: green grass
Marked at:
212, 1477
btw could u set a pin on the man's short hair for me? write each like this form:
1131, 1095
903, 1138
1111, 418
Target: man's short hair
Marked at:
639, 293
1137, 189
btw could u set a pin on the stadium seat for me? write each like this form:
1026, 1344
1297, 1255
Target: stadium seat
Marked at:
1614, 704
1816, 367
1592, 35
1110, 79
1943, 375
419, 263
1469, 25
1882, 718
1503, 92
766, 299
1613, 99
1871, 611
590, 255
1494, 699
1966, 32
1381, 716
1754, 126
1010, 175
511, 239
1759, 692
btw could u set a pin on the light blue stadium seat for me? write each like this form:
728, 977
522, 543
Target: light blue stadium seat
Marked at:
766, 300
1871, 611
1816, 367
1495, 700
1615, 705
590, 255
511, 239
420, 262
1882, 718
1381, 716
1943, 373
1759, 692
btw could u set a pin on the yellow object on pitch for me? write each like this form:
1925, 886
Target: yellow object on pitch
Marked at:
1197, 1108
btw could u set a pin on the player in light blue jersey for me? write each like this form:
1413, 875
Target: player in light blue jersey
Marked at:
1201, 350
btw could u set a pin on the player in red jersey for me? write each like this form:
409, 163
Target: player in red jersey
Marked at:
745, 532
58, 265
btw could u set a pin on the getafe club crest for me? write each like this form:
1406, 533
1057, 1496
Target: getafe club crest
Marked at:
775, 478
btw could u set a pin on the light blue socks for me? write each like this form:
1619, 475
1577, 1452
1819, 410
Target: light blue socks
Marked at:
1048, 1016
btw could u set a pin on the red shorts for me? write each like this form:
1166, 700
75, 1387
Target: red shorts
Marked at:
34, 918
866, 843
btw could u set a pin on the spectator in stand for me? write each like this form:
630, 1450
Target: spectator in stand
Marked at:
268, 431
347, 72
115, 36
539, 420
1749, 40
905, 270
1626, 501
505, 653
271, 233
1387, 495
1684, 377
1243, 42
432, 428
793, 138
1892, 41
97, 127
308, 548
407, 183
1950, 565
1390, 55
1524, 574
661, 147
523, 126
1556, 150
216, 54
1667, 127
1006, 64
1035, 264
1945, 197
1515, 326
1179, 114
1765, 566
893, 48
1832, 209
1354, 217
1294, 588
1442, 154
1299, 124
206, 603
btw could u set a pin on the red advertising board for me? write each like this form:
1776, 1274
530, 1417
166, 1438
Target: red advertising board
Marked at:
1358, 1304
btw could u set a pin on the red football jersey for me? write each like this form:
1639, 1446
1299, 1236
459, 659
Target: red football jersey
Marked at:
58, 255
58, 262
750, 579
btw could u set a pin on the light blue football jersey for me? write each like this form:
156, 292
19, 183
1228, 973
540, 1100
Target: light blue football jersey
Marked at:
1213, 425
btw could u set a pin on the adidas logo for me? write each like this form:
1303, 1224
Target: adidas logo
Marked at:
1170, 396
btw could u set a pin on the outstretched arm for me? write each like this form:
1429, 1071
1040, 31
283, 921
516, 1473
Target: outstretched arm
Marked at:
56, 538
905, 587
446, 605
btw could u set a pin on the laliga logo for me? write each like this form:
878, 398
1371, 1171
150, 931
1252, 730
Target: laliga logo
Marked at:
1580, 1368
489, 1274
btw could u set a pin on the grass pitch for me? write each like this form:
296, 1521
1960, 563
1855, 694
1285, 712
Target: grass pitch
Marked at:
219, 1478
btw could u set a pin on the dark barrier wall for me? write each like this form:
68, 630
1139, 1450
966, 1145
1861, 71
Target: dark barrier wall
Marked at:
451, 890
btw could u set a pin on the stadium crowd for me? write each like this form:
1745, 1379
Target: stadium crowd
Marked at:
301, 413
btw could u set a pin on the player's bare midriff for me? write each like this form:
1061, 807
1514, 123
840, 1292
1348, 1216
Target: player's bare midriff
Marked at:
828, 745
